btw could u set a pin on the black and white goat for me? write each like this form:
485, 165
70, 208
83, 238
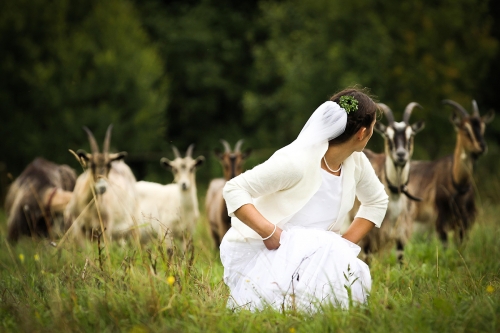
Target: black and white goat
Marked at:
393, 168
104, 197
36, 200
215, 205
446, 185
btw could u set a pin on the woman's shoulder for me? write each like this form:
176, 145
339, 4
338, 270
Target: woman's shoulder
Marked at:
359, 163
281, 165
285, 161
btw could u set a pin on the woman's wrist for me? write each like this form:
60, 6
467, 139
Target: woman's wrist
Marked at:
271, 235
249, 215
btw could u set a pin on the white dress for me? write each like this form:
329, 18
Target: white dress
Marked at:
311, 267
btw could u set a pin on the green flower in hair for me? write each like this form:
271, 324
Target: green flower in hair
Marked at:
348, 103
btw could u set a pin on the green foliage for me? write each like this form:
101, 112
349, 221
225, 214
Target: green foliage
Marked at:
207, 50
68, 64
150, 289
182, 72
404, 51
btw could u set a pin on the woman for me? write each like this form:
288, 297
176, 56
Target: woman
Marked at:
284, 248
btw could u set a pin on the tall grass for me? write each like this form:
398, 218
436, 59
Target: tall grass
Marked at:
153, 289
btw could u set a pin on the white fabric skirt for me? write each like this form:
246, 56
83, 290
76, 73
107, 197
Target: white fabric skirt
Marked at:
312, 267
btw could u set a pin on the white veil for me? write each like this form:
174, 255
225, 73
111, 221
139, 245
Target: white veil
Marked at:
326, 123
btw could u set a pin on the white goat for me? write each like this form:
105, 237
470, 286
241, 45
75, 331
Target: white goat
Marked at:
171, 207
104, 196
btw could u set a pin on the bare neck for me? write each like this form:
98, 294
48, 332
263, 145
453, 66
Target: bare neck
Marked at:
336, 154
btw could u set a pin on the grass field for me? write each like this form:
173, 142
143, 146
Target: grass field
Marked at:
128, 289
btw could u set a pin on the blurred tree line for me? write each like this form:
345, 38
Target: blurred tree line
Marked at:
195, 71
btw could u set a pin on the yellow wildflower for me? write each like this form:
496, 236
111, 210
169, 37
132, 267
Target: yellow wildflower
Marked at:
292, 330
171, 280
21, 257
490, 289
137, 329
37, 257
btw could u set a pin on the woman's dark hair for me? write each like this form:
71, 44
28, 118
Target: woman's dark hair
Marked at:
363, 117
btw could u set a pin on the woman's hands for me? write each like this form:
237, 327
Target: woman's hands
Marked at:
274, 242
249, 215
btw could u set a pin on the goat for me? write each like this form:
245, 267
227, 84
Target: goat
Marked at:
392, 168
446, 185
215, 205
36, 200
104, 197
172, 207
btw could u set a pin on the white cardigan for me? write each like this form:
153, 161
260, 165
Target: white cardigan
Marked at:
282, 185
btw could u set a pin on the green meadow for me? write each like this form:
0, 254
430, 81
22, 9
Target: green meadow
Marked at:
113, 288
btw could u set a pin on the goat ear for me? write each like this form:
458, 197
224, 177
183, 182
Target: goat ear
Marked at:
456, 119
83, 155
199, 160
80, 160
117, 156
165, 162
218, 153
488, 118
380, 128
418, 126
246, 153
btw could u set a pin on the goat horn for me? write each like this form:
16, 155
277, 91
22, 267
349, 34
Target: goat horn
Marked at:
457, 106
387, 111
238, 146
475, 109
408, 110
189, 151
227, 147
93, 144
176, 152
107, 139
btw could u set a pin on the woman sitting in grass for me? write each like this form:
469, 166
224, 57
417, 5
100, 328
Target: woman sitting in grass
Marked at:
284, 249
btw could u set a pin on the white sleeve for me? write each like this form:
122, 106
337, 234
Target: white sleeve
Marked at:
371, 193
275, 174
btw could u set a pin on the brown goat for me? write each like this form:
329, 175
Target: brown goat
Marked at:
446, 185
215, 206
37, 198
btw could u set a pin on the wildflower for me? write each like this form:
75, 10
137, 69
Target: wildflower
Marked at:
292, 330
137, 329
490, 289
21, 257
37, 315
37, 257
171, 280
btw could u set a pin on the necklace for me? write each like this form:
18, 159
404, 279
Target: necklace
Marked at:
328, 167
